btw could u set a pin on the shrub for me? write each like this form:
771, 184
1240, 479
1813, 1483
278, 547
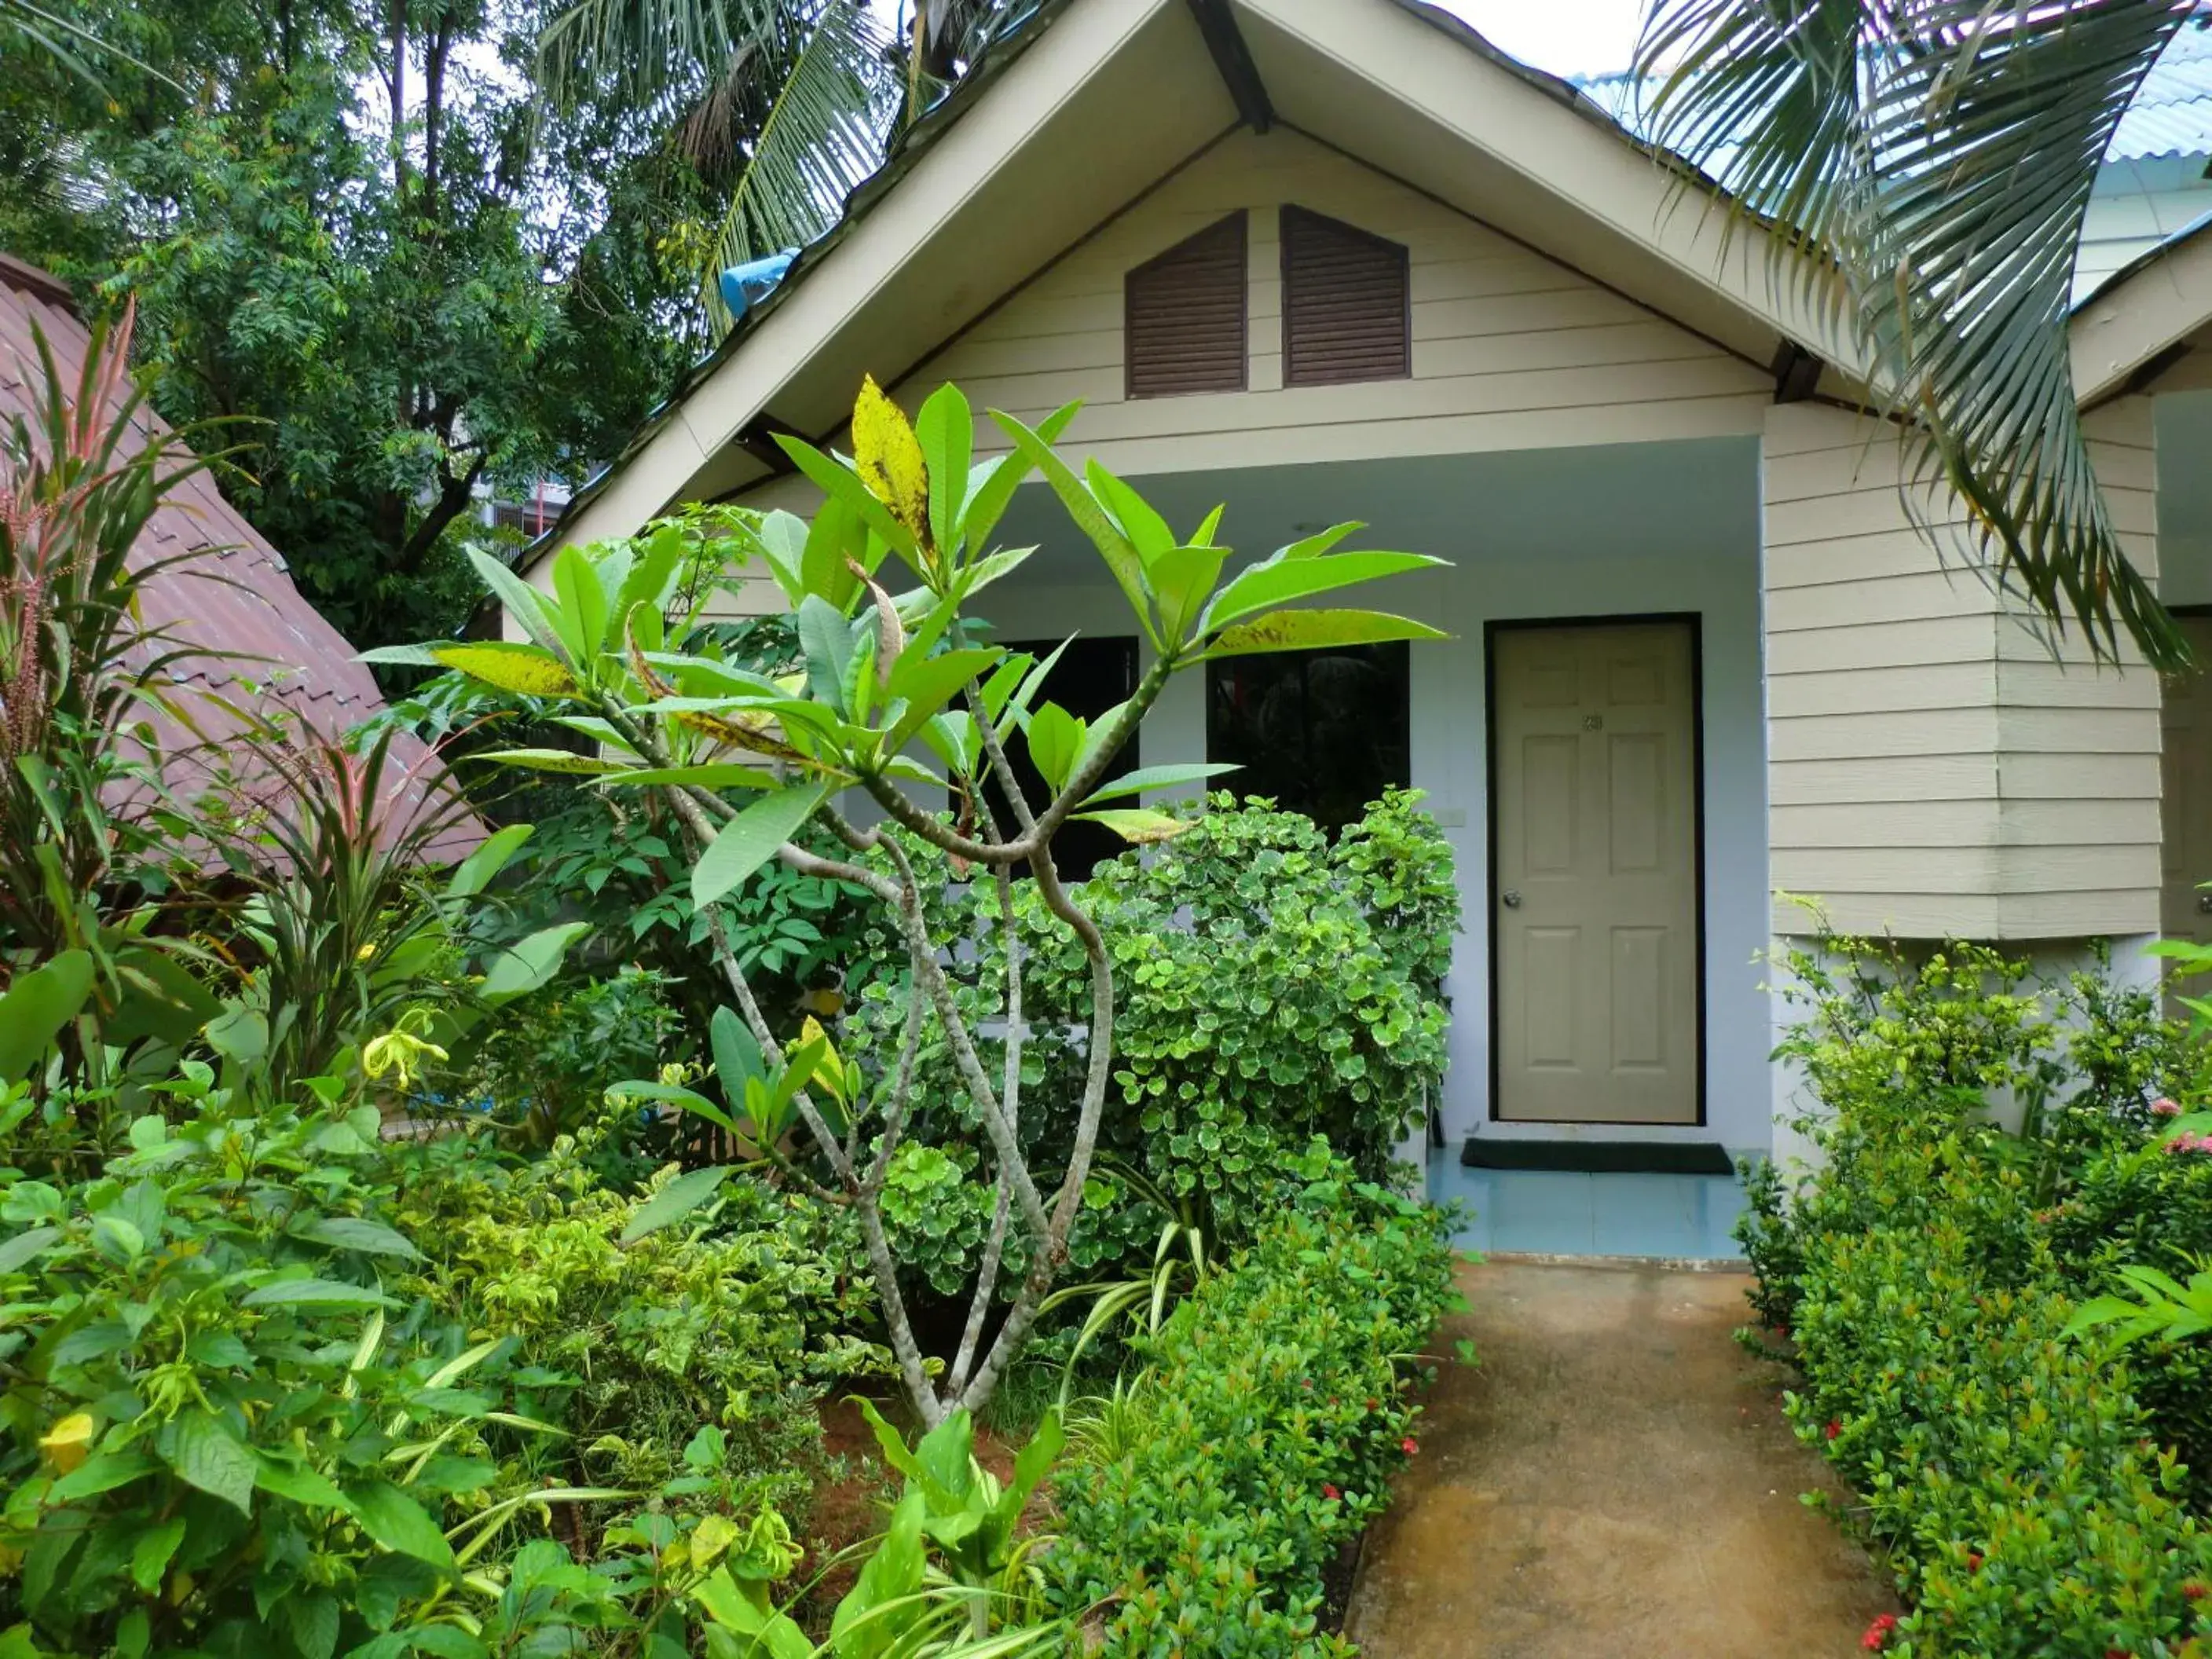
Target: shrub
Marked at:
738, 1318
1272, 987
219, 1433
1263, 1434
2021, 1486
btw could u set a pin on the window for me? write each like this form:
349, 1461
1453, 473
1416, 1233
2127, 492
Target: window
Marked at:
1346, 314
1091, 676
1320, 733
1184, 315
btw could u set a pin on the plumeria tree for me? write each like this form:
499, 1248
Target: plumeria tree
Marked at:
903, 703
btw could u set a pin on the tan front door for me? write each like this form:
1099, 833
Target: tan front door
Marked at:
2186, 788
1595, 904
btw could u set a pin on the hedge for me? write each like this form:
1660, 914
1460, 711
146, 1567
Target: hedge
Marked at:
1272, 1413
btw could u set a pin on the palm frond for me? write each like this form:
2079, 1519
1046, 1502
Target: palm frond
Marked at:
1940, 154
822, 134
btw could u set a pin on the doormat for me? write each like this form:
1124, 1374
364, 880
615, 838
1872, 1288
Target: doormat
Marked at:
1599, 1157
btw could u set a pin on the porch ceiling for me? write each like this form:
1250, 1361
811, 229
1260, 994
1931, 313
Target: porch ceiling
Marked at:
1685, 499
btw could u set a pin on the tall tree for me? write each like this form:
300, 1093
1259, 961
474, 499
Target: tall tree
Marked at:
1935, 159
349, 225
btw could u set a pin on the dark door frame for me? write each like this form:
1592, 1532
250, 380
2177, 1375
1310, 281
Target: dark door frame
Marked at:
1694, 621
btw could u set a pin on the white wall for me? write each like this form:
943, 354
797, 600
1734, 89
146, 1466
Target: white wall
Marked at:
1624, 531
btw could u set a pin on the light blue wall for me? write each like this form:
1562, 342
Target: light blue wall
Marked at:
1621, 531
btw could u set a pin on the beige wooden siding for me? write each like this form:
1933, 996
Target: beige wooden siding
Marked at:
1932, 768
1511, 350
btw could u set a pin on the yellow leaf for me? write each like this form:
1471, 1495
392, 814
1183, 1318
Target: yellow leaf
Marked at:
511, 666
753, 733
66, 1443
713, 1536
1139, 826
889, 458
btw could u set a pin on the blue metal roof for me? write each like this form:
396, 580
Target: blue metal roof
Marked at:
2171, 115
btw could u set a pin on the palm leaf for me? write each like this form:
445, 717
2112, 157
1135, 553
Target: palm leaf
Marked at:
786, 102
1940, 155
823, 134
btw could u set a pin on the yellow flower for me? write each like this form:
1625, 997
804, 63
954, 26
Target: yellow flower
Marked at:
66, 1443
364, 953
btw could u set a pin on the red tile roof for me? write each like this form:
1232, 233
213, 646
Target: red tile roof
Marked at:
232, 594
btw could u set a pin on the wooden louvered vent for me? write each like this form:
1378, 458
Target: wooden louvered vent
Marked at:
1346, 313
1185, 315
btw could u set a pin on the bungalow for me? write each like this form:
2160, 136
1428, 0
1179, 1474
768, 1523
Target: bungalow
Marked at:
1326, 259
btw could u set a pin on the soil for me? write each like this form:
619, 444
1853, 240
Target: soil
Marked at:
851, 1507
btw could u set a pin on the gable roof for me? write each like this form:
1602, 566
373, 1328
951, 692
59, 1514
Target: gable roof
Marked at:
1038, 146
228, 590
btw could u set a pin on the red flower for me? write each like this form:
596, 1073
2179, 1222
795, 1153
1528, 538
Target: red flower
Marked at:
2195, 1590
1835, 1428
1877, 1633
2117, 1653
1409, 1445
1374, 1405
1330, 1493
1973, 1560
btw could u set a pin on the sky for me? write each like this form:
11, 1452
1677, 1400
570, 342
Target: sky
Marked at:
1567, 37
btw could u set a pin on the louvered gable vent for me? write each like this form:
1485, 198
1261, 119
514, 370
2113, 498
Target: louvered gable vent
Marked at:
1185, 315
1346, 313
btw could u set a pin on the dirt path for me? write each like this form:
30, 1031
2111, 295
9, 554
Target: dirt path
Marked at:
1616, 1478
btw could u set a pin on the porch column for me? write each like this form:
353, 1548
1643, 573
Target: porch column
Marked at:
1935, 771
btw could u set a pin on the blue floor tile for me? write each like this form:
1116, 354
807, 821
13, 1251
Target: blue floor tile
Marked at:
1559, 1212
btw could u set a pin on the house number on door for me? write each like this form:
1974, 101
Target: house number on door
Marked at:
1593, 722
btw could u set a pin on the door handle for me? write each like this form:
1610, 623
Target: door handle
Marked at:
1511, 901
2204, 904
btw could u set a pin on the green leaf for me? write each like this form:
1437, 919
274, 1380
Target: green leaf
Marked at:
750, 840
1143, 526
946, 427
35, 1009
531, 609
1155, 777
672, 1094
580, 610
474, 873
927, 687
302, 1485
315, 1293
991, 485
674, 1201
25, 1247
358, 1233
737, 1053
151, 1554
1311, 631
205, 1454
103, 1473
1056, 739
400, 1524
842, 484
1122, 560
529, 963
826, 636
1267, 584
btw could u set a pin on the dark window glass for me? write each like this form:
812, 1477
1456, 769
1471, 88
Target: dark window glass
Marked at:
1321, 732
1090, 677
